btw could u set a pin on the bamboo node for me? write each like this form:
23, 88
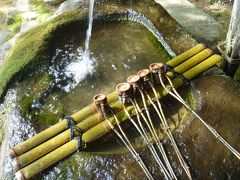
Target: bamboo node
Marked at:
19, 175
100, 98
12, 153
100, 101
123, 87
15, 165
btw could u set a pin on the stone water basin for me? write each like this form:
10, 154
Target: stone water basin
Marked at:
119, 49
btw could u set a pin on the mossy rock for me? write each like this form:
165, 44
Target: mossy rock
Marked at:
51, 110
35, 47
40, 6
39, 85
53, 2
49, 114
157, 44
15, 18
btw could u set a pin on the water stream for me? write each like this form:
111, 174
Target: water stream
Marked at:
89, 30
82, 65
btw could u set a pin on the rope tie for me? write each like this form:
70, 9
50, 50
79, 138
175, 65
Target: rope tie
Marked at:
78, 138
80, 143
74, 129
166, 68
70, 122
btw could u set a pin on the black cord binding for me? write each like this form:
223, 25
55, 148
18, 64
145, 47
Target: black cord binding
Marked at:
70, 122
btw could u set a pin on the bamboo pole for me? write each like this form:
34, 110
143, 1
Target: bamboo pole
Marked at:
53, 143
104, 127
193, 72
46, 147
55, 129
49, 159
193, 61
81, 115
186, 55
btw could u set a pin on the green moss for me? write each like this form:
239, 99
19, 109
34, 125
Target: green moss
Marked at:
16, 18
237, 75
49, 114
14, 24
39, 85
43, 16
51, 110
190, 98
40, 6
45, 118
157, 44
35, 46
42, 9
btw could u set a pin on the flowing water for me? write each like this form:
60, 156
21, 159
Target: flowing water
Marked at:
83, 62
90, 21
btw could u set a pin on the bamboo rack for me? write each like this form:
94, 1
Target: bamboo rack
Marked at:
81, 115
60, 139
99, 129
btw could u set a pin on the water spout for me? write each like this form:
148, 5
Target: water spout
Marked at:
89, 30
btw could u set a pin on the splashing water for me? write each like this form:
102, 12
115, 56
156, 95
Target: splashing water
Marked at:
79, 69
80, 65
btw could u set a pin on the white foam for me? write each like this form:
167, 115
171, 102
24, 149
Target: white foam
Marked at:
82, 65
